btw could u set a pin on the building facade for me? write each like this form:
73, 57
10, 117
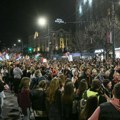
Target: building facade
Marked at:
56, 42
94, 18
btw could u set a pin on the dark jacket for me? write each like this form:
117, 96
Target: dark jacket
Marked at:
24, 98
35, 81
38, 98
54, 109
108, 112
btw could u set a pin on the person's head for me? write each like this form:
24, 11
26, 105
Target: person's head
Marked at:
17, 65
95, 86
83, 85
62, 80
94, 72
116, 91
88, 71
37, 73
107, 83
42, 84
53, 87
68, 88
25, 82
116, 75
107, 73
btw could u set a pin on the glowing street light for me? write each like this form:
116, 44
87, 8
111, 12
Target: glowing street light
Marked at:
19, 40
42, 21
14, 45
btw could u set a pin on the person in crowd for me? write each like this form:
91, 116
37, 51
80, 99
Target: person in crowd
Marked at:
2, 95
81, 89
75, 78
67, 100
62, 80
5, 74
94, 73
38, 100
109, 110
24, 70
53, 100
54, 72
28, 72
67, 71
95, 90
38, 77
116, 78
11, 77
24, 97
91, 105
17, 78
108, 87
87, 76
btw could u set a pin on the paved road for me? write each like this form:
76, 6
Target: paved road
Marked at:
10, 108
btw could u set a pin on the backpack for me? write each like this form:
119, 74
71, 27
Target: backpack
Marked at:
83, 100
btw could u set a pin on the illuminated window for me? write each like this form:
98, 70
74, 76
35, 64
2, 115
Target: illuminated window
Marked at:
80, 9
38, 49
85, 1
90, 2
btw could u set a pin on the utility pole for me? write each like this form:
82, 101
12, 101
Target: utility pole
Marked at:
113, 31
50, 44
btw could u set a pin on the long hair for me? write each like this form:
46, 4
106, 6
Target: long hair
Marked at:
67, 96
25, 83
42, 84
54, 86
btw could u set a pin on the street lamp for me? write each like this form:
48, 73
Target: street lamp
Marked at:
20, 41
42, 21
14, 45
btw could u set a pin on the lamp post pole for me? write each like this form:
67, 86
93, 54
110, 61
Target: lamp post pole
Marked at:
20, 41
49, 44
113, 31
42, 21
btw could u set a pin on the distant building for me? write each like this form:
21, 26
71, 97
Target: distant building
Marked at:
59, 40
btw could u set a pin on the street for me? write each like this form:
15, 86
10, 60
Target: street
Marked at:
10, 108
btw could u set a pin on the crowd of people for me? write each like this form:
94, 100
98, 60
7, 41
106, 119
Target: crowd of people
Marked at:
63, 90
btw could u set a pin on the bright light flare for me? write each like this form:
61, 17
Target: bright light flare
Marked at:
19, 40
42, 21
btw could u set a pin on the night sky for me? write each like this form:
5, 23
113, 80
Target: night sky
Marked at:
18, 17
